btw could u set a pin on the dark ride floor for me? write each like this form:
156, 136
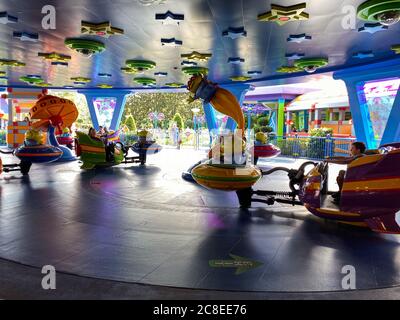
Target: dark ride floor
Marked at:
142, 232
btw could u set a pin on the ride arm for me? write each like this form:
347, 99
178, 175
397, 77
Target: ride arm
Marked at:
340, 160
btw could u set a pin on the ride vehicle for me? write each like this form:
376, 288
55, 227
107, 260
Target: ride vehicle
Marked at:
66, 138
94, 152
32, 151
369, 197
145, 145
262, 148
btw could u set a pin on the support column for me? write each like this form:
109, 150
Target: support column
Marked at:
288, 127
359, 110
281, 117
239, 90
392, 131
119, 95
317, 118
10, 111
355, 78
306, 119
211, 119
272, 121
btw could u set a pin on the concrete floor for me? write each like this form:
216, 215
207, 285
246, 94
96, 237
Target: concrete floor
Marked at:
143, 232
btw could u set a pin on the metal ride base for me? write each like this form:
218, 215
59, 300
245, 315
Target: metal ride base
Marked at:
245, 196
22, 167
138, 159
146, 225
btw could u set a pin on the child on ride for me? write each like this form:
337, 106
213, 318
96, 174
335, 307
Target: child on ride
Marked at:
357, 150
93, 134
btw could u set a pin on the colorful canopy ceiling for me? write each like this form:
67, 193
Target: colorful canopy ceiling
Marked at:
158, 44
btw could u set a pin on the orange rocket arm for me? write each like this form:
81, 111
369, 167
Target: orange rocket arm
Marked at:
226, 103
222, 100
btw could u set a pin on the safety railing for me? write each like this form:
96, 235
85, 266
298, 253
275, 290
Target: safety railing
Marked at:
317, 148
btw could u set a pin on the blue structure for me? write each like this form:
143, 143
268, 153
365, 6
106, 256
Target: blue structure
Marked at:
119, 95
355, 79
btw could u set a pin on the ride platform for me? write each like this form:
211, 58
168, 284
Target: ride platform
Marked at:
145, 225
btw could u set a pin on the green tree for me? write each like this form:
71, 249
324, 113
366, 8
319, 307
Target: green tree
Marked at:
141, 104
263, 121
189, 123
179, 121
130, 123
321, 132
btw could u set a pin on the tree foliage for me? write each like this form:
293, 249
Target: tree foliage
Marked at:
139, 105
130, 123
179, 121
321, 132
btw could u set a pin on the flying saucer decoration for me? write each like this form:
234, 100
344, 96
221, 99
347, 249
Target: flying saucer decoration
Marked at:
57, 59
81, 81
102, 29
6, 18
175, 85
310, 65
104, 86
197, 56
129, 70
32, 79
44, 84
145, 81
235, 33
254, 73
235, 60
188, 63
151, 2
11, 63
26, 36
195, 70
299, 38
3, 79
171, 42
282, 15
396, 48
161, 74
372, 28
104, 75
363, 55
288, 69
294, 56
240, 78
170, 18
60, 64
138, 66
86, 47
386, 12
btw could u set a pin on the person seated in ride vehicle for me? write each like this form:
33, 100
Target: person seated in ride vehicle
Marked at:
357, 150
93, 134
109, 148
